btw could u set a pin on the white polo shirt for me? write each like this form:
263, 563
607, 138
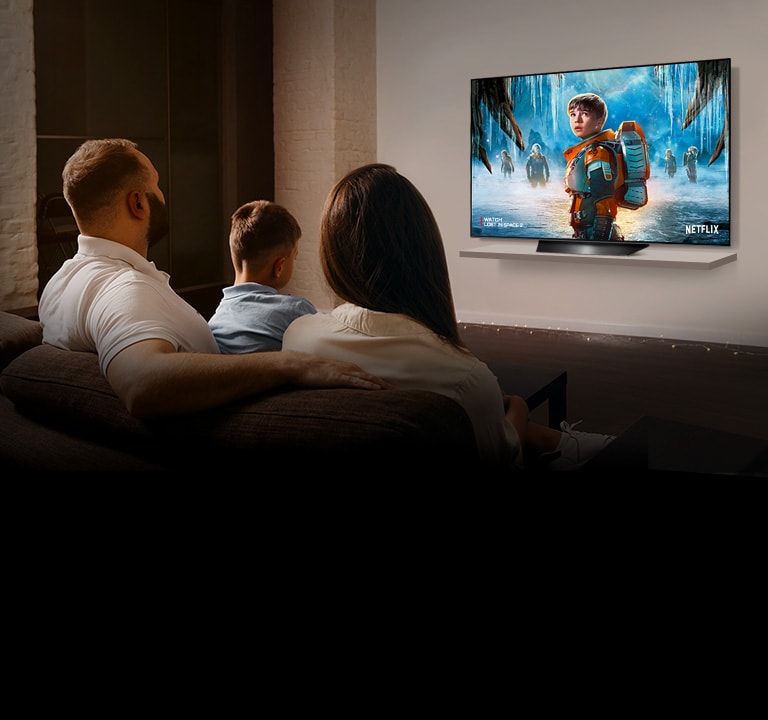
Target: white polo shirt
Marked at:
108, 297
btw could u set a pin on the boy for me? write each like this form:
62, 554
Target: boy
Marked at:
592, 173
252, 315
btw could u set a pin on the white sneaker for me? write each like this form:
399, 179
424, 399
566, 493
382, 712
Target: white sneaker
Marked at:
575, 448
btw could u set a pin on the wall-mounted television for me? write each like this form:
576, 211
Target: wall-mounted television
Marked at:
655, 170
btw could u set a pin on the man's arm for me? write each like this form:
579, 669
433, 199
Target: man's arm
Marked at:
152, 379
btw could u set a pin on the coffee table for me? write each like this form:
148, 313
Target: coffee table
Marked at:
535, 385
665, 446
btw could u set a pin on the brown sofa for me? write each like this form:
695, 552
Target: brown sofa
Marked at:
57, 412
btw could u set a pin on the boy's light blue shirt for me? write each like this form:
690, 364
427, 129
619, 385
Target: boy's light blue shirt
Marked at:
252, 317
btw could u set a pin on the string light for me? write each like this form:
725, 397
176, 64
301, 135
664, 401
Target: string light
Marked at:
608, 338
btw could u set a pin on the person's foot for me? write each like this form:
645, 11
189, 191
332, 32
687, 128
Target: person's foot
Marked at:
574, 449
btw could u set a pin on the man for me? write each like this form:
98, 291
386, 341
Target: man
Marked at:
156, 351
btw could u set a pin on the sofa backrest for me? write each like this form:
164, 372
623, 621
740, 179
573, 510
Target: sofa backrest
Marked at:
66, 390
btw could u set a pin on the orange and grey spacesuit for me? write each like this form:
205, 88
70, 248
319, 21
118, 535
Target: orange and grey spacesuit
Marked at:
592, 176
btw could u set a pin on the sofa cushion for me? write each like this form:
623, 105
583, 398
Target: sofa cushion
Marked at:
65, 389
17, 334
26, 445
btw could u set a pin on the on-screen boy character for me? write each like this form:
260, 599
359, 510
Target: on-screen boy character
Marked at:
537, 167
592, 171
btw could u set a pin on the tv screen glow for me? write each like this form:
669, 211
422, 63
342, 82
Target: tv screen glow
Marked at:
682, 107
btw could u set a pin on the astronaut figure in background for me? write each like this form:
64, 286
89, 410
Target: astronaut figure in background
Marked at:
507, 166
537, 167
690, 160
670, 163
592, 171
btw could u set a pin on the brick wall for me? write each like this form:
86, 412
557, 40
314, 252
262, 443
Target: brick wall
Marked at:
325, 114
18, 169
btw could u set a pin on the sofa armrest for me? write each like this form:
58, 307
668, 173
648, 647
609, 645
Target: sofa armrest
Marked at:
17, 334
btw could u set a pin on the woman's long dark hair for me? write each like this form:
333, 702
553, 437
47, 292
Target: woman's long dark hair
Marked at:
381, 249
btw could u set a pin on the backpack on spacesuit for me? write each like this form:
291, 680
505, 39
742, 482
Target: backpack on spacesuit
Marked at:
635, 168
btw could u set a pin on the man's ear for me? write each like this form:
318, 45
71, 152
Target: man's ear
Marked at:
137, 204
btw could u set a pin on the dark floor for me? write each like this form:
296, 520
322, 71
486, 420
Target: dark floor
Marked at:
613, 380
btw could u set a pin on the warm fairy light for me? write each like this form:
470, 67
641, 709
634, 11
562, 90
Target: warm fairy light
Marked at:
621, 339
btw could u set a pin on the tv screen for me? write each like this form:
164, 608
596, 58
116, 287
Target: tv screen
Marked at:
546, 164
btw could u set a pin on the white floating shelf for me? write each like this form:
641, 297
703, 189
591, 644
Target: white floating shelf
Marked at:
692, 257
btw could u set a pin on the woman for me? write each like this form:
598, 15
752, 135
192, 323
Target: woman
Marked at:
382, 254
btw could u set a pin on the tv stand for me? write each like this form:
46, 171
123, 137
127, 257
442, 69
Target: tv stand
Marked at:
590, 247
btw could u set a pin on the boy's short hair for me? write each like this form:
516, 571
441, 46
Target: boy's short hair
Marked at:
258, 228
591, 103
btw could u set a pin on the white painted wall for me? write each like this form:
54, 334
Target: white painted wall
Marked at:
427, 53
